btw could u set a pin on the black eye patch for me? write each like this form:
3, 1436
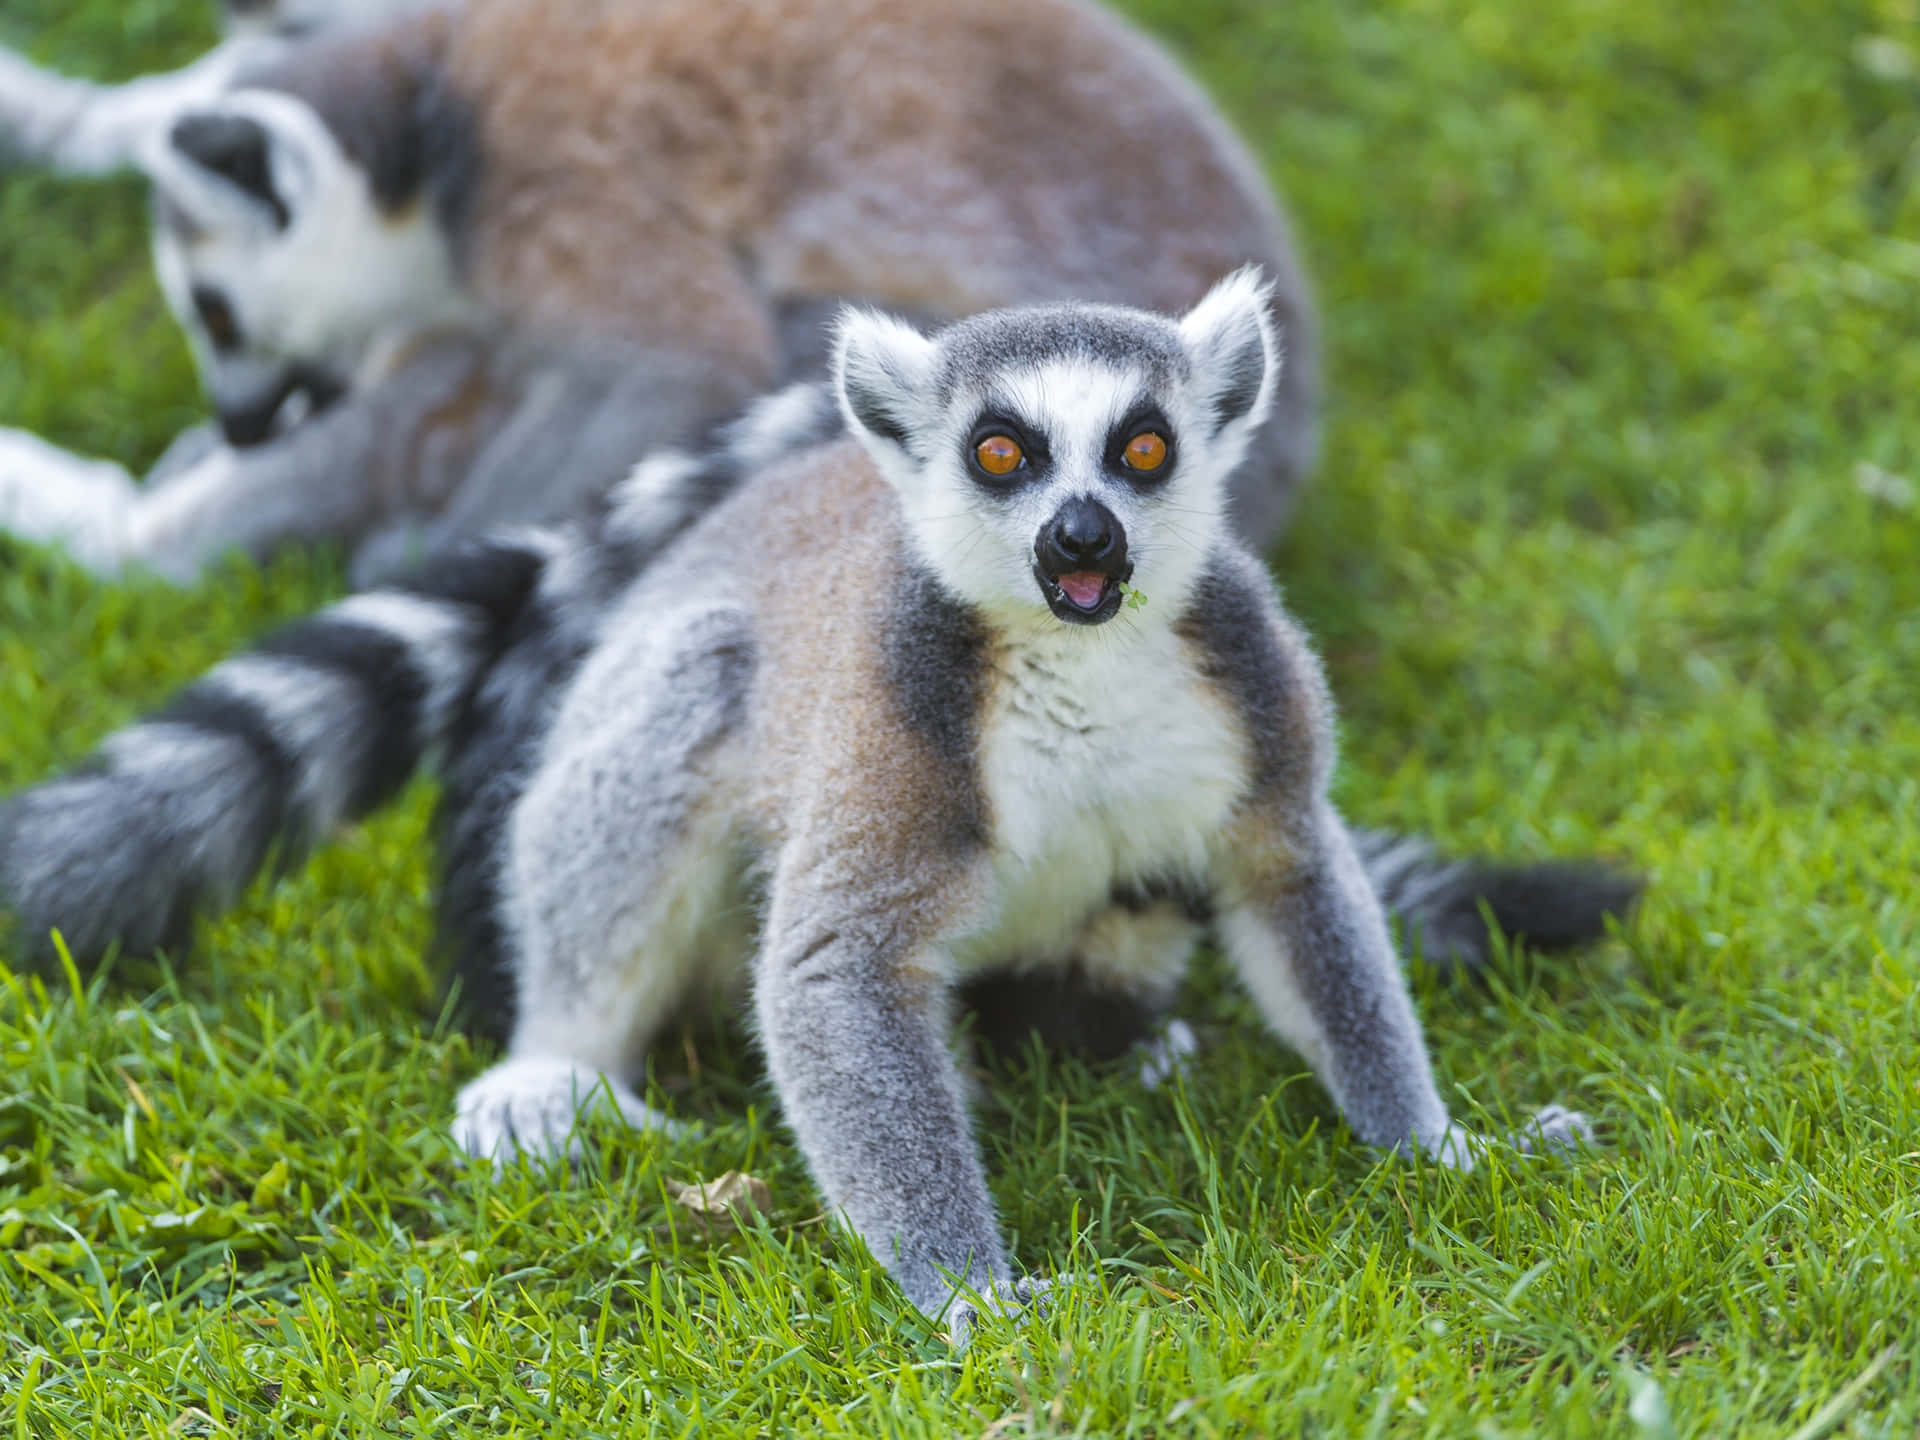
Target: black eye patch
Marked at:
216, 318
1002, 454
1130, 454
236, 149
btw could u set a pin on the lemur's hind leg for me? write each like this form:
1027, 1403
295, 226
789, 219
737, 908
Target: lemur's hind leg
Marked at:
620, 880
211, 500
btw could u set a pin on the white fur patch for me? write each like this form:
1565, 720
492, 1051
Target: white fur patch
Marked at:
532, 1106
439, 639
79, 127
1094, 779
1165, 1057
52, 497
313, 714
168, 750
1268, 973
651, 503
770, 429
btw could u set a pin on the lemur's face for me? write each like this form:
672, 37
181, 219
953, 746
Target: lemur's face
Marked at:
1049, 461
277, 261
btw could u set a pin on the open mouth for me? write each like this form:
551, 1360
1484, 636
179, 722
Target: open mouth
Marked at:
1081, 597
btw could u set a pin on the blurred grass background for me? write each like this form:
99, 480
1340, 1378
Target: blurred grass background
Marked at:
1614, 549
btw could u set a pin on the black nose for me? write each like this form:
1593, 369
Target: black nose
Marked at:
1083, 535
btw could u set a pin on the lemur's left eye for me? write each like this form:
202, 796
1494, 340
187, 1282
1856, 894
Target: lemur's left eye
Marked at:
216, 315
999, 455
1146, 451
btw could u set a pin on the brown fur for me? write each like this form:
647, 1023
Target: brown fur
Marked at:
840, 147
836, 755
668, 171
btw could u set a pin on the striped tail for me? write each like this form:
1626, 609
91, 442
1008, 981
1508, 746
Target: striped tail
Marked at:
326, 720
267, 753
1553, 905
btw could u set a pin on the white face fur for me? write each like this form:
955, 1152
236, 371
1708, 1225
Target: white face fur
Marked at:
1051, 461
277, 261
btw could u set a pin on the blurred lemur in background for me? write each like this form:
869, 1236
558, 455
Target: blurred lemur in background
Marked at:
463, 266
82, 127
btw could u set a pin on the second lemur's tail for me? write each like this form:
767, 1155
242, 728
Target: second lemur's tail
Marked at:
324, 721
267, 752
1443, 905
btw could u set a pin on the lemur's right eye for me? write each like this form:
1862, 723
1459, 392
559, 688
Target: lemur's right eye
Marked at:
999, 455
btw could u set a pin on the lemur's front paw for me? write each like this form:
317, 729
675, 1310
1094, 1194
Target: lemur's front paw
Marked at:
999, 1299
52, 497
1457, 1148
28, 462
534, 1108
1165, 1055
1554, 1129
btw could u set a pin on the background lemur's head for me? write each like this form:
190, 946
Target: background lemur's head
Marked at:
1046, 457
288, 253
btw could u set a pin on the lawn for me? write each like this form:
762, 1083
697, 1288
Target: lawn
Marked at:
1615, 549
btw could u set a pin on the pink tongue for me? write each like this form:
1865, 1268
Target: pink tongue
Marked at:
1083, 587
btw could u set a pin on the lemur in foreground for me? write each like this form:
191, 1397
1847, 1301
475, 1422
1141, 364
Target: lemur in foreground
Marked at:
882, 727
464, 268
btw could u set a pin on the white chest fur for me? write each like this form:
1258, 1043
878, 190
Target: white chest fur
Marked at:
1105, 761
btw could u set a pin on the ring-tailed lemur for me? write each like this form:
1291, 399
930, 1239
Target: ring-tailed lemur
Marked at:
463, 269
987, 688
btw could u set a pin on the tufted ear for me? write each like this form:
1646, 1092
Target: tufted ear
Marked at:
235, 149
1229, 336
881, 367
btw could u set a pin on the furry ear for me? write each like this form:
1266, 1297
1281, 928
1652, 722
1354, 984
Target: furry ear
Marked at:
237, 149
1229, 335
880, 368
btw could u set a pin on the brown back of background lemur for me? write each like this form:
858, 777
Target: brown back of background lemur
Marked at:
464, 267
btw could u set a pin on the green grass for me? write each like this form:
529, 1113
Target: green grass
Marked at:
1621, 296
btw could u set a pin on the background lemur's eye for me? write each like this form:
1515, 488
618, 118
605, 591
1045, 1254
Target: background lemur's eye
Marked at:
216, 315
1145, 451
999, 455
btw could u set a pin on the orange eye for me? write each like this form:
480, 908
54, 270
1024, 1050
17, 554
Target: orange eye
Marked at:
1145, 451
999, 455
